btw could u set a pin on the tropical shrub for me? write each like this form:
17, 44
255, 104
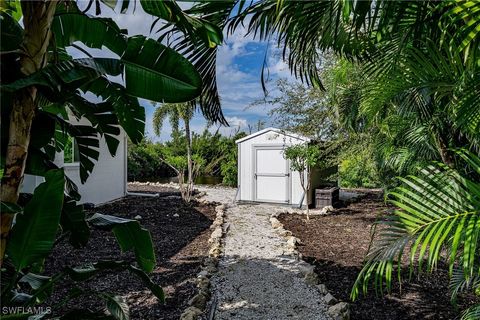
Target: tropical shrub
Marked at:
358, 167
145, 162
438, 219
229, 171
180, 165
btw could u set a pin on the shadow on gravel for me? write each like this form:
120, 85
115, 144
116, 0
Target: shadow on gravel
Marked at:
264, 289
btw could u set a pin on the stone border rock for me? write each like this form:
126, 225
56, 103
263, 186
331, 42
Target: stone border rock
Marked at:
337, 310
199, 301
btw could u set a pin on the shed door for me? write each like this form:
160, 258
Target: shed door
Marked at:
271, 176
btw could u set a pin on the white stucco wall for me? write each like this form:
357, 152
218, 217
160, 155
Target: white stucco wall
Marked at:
107, 181
246, 164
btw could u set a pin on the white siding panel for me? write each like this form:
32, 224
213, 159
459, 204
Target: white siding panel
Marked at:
246, 175
107, 182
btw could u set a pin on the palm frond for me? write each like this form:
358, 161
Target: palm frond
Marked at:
461, 23
202, 54
439, 208
460, 283
472, 313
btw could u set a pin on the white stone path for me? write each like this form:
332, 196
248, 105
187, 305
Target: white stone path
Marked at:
258, 277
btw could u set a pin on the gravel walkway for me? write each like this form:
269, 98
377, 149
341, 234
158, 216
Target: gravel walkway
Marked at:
258, 277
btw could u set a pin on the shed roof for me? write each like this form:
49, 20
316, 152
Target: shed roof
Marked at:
279, 131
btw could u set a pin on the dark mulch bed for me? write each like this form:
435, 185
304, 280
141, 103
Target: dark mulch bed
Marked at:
336, 244
181, 244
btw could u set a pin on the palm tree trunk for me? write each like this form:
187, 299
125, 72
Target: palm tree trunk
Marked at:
189, 158
444, 153
37, 19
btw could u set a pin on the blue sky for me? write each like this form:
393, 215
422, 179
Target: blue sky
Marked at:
239, 66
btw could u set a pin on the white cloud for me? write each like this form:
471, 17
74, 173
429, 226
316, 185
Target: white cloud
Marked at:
237, 122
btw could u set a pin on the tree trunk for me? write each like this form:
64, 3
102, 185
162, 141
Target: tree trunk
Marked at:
304, 187
444, 153
189, 159
37, 19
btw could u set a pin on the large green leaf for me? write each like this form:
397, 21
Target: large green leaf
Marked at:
130, 114
88, 143
64, 76
74, 222
158, 73
201, 54
11, 33
42, 287
117, 306
33, 234
130, 236
72, 26
152, 71
102, 117
209, 33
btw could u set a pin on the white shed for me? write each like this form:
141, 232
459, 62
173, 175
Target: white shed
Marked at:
264, 175
107, 181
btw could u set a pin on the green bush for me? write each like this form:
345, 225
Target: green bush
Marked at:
217, 155
229, 172
144, 162
358, 169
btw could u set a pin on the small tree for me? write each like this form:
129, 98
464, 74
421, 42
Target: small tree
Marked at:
177, 111
302, 157
180, 164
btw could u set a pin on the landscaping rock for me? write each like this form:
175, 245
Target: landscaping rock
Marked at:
191, 313
176, 215
305, 268
199, 301
285, 233
204, 273
340, 311
322, 288
275, 223
217, 233
292, 242
203, 284
276, 214
311, 278
326, 210
210, 269
215, 252
329, 299
138, 217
